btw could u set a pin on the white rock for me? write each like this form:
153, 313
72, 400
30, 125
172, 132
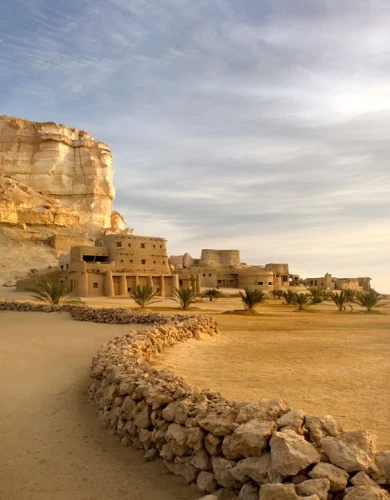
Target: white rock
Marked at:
291, 453
338, 477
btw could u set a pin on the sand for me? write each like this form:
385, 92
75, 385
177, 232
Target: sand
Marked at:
52, 445
323, 363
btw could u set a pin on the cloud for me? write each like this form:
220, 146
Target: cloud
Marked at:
255, 125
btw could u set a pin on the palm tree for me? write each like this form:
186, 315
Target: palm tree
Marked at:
350, 294
288, 296
341, 299
318, 294
185, 297
212, 293
142, 295
250, 298
303, 300
53, 291
277, 294
370, 300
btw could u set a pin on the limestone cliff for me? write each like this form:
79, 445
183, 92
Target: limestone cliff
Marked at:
66, 166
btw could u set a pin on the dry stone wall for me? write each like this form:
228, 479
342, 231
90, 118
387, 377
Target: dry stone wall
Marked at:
247, 450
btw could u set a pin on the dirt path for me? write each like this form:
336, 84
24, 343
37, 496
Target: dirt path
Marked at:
323, 363
52, 445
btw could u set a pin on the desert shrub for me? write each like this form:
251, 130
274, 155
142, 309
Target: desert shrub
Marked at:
250, 298
302, 300
142, 295
53, 291
212, 294
288, 296
370, 300
185, 297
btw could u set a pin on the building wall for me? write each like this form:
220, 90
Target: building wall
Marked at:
256, 278
138, 254
216, 258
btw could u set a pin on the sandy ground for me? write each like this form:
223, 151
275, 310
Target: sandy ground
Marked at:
52, 445
323, 362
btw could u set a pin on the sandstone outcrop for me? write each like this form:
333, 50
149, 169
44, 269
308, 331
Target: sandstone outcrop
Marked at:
55, 161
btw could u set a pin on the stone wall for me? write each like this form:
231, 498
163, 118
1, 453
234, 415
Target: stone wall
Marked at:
245, 450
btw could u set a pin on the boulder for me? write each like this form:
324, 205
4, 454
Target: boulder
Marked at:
320, 426
352, 451
338, 478
318, 487
366, 493
248, 440
249, 491
206, 482
255, 468
382, 460
222, 471
361, 478
291, 453
220, 424
278, 491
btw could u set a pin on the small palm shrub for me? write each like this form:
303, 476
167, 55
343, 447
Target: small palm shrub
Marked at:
303, 300
341, 299
318, 294
53, 291
142, 295
288, 296
250, 298
185, 297
370, 300
277, 294
212, 294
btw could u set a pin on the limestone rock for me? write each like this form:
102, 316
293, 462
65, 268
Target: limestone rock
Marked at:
318, 487
320, 426
338, 477
382, 459
249, 492
278, 491
206, 482
255, 468
291, 453
65, 164
292, 420
366, 493
361, 478
353, 451
222, 471
248, 440
220, 424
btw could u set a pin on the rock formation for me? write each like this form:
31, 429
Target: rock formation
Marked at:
65, 164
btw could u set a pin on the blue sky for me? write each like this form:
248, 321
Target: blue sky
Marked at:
253, 124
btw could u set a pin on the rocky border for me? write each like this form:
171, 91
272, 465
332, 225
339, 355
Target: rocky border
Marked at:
248, 450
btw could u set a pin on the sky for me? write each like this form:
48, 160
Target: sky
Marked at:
259, 125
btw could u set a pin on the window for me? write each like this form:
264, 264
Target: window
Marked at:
142, 245
209, 275
131, 261
163, 261
160, 246
259, 282
143, 261
270, 282
121, 260
219, 281
203, 275
154, 262
128, 289
118, 243
129, 245
95, 285
154, 246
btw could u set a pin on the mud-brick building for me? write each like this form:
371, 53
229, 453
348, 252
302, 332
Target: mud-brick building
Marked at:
224, 269
332, 283
117, 264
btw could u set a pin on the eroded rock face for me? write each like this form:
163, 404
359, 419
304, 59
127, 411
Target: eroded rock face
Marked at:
66, 164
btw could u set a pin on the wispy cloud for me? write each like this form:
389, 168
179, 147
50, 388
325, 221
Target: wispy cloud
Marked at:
254, 125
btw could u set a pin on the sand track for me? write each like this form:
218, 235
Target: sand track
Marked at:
53, 447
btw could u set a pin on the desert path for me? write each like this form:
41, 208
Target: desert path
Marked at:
53, 446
